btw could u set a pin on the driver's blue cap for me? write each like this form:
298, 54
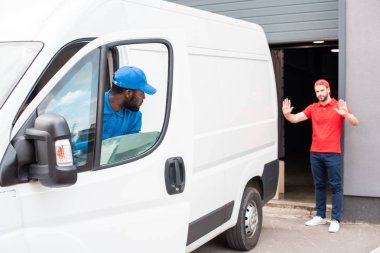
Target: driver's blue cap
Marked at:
132, 78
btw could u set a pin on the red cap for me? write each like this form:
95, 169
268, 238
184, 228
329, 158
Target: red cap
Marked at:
322, 82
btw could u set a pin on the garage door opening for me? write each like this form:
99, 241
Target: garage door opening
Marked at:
296, 70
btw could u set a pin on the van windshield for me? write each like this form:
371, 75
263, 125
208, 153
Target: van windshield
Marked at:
15, 58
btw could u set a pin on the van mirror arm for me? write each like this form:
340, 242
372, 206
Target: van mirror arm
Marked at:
8, 168
14, 167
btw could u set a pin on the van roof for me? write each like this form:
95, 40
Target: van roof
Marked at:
57, 22
24, 20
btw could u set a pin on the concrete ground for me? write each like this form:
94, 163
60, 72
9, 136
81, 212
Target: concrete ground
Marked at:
284, 231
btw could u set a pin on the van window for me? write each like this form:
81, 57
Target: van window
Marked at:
59, 60
75, 98
141, 132
56, 64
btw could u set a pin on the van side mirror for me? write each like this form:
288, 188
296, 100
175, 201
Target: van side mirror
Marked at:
54, 155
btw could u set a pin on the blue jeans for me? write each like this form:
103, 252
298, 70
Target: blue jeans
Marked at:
322, 163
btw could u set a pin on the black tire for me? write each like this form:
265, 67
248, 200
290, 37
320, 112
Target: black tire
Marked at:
245, 236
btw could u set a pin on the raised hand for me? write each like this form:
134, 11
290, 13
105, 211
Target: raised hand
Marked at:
342, 110
287, 107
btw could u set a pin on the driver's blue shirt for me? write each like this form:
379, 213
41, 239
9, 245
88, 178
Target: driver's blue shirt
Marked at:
119, 123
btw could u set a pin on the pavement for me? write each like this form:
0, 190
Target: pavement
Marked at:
284, 231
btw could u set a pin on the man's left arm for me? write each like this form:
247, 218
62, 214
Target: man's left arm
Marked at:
352, 119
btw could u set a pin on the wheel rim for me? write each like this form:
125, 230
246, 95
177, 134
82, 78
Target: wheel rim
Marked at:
251, 219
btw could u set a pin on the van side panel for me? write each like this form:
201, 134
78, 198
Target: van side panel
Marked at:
235, 97
235, 94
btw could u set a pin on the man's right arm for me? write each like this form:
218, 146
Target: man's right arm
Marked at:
287, 111
295, 118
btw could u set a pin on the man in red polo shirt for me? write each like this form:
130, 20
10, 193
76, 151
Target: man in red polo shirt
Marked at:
327, 117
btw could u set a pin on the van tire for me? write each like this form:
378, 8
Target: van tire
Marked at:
245, 236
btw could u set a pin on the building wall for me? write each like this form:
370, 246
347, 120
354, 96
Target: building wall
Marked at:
362, 91
284, 21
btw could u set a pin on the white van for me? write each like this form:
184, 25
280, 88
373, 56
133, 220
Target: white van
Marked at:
203, 164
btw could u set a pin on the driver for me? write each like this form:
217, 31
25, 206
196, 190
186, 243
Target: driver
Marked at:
122, 102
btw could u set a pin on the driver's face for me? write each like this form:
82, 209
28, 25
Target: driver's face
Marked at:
133, 99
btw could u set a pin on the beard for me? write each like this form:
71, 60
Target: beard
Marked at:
322, 98
133, 104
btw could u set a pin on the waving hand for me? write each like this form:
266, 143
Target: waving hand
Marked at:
287, 106
342, 110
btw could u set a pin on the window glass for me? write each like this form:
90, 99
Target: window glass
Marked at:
127, 134
15, 58
75, 98
59, 60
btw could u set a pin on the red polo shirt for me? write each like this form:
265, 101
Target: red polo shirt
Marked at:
327, 127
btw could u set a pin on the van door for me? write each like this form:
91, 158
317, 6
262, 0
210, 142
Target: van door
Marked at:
11, 237
132, 191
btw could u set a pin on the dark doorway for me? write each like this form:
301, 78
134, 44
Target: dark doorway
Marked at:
302, 66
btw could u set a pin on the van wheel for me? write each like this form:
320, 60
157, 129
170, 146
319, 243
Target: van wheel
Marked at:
246, 233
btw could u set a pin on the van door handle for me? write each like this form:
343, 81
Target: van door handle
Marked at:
175, 176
